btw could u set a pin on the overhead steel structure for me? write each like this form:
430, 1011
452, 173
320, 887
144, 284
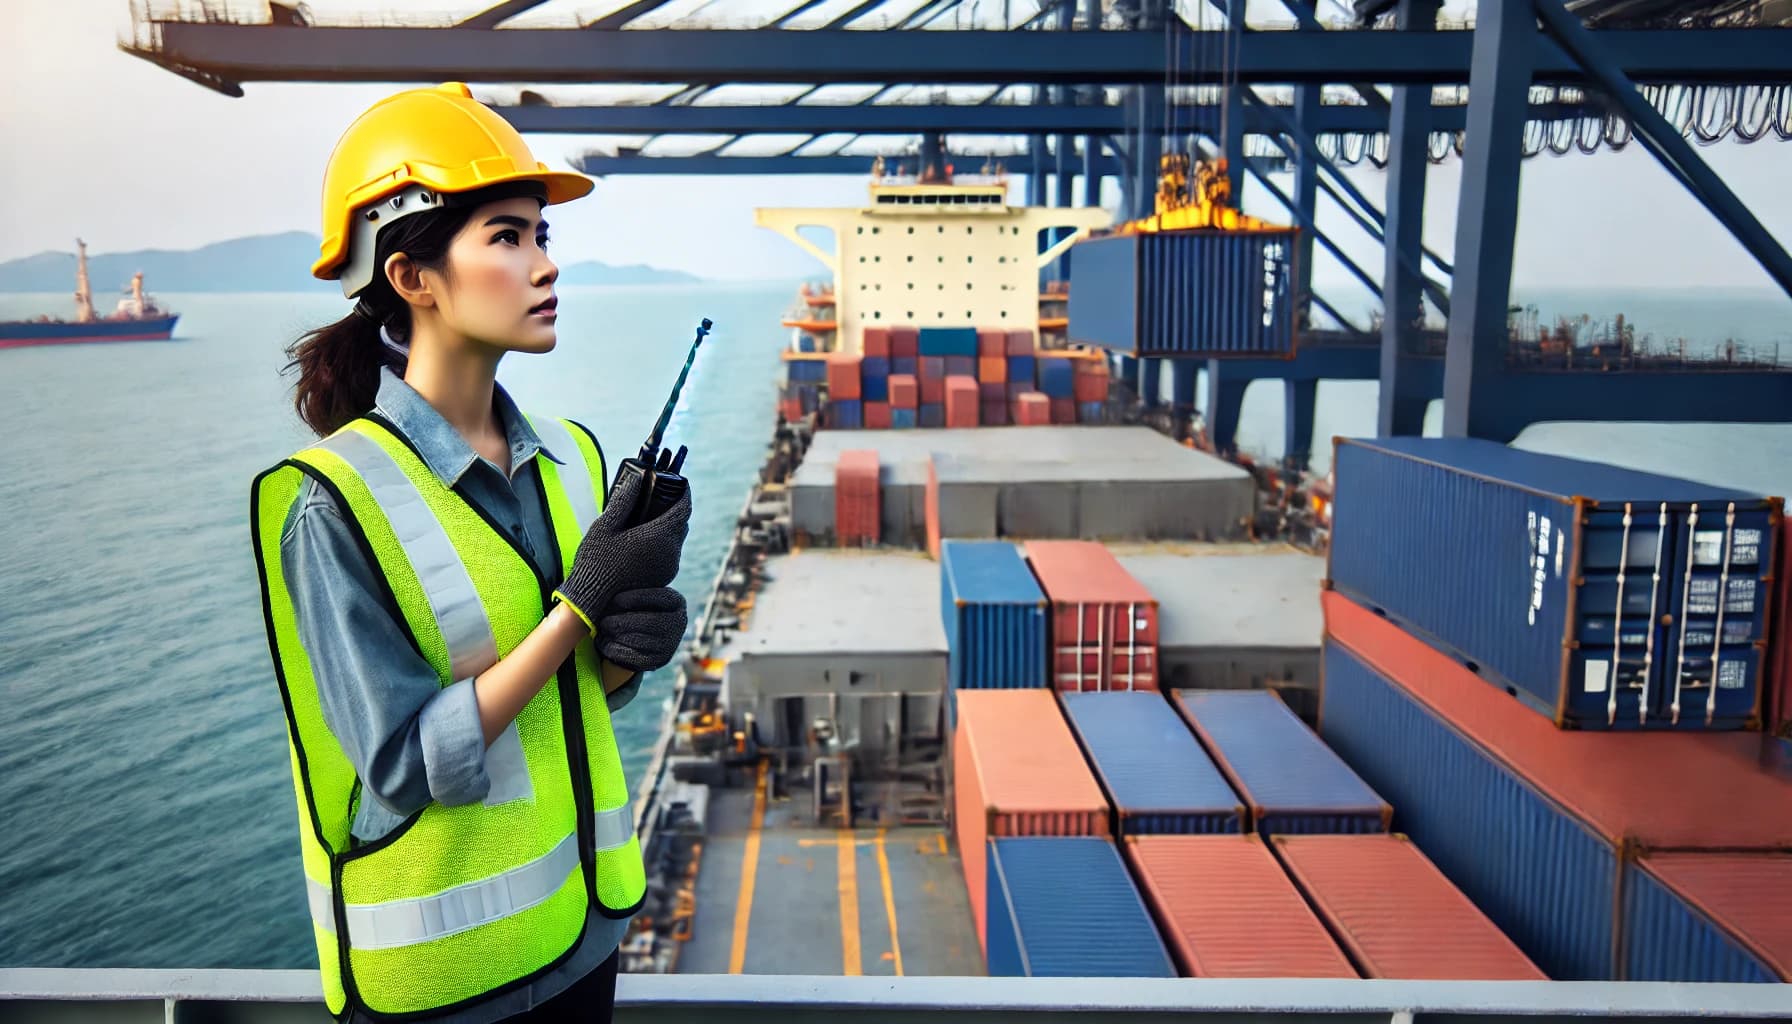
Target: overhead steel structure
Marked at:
1157, 57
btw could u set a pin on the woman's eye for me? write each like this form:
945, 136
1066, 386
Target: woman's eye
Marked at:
503, 235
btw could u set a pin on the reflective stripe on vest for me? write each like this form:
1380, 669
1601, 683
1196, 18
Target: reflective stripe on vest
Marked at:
425, 918
575, 476
447, 586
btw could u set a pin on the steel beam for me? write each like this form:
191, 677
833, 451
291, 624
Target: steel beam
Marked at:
1637, 396
1400, 408
1487, 221
276, 53
601, 165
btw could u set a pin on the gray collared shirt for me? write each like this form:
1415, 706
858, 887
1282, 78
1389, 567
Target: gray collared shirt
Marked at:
410, 739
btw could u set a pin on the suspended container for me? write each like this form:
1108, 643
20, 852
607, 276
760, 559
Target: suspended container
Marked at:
1065, 908
1157, 777
1289, 779
1535, 824
1200, 293
1587, 591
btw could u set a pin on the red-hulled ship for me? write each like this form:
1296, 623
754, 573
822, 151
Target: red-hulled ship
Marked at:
137, 317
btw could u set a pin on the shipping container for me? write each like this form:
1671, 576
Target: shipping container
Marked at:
933, 391
843, 376
1062, 410
874, 366
961, 366
875, 389
994, 412
1780, 642
932, 367
1587, 591
931, 515
1185, 293
992, 391
933, 414
992, 369
905, 364
961, 402
903, 419
846, 414
1032, 409
1709, 917
857, 498
1091, 412
875, 341
905, 391
1104, 623
1290, 780
991, 341
1023, 369
1396, 914
1065, 908
1226, 909
877, 415
1158, 779
1532, 822
1020, 341
904, 342
1016, 771
1057, 377
947, 341
805, 368
994, 614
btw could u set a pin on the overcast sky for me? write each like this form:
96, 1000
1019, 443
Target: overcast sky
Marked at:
128, 156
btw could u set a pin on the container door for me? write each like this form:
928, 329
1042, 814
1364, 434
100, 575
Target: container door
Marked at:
1711, 678
1080, 634
1614, 671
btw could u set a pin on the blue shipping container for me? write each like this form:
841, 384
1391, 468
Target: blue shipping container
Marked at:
846, 414
1185, 293
994, 614
1057, 378
902, 419
1510, 561
905, 364
1535, 870
933, 415
1066, 908
874, 389
1154, 772
1670, 938
1021, 370
1290, 780
1091, 412
874, 366
961, 366
948, 341
814, 371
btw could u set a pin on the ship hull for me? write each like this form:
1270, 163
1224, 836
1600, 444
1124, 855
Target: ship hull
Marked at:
21, 333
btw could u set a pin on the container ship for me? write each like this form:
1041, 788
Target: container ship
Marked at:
137, 317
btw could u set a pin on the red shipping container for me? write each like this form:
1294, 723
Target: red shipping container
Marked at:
993, 369
995, 414
1020, 342
1227, 910
1017, 388
791, 409
905, 393
877, 416
1063, 410
932, 367
905, 342
933, 390
876, 342
932, 510
1016, 771
1779, 661
843, 376
1089, 387
1032, 409
961, 402
1396, 914
991, 391
856, 498
1653, 789
992, 342
1104, 622
1747, 897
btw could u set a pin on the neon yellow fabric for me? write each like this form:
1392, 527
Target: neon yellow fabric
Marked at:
444, 847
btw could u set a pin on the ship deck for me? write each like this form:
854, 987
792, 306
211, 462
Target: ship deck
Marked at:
778, 894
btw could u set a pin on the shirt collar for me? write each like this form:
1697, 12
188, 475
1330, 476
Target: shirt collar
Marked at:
448, 454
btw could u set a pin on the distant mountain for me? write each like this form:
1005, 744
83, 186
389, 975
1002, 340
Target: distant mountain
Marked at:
262, 263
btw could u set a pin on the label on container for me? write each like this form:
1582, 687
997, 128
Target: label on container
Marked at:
1735, 632
1702, 599
1537, 527
1708, 547
1598, 673
1732, 675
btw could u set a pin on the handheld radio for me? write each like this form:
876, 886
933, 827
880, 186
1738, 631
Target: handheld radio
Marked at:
663, 486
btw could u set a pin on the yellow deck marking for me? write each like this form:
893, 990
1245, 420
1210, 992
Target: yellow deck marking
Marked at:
883, 870
749, 867
849, 906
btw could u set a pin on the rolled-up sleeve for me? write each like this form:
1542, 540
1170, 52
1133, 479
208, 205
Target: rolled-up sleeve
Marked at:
410, 739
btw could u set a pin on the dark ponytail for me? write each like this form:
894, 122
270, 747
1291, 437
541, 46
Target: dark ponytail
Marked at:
339, 364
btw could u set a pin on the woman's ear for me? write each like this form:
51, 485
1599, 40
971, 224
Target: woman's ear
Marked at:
409, 280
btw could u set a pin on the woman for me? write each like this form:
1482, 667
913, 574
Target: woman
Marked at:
453, 608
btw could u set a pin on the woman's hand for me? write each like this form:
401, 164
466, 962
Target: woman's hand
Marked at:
614, 557
642, 629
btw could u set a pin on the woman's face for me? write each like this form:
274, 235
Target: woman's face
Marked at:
499, 289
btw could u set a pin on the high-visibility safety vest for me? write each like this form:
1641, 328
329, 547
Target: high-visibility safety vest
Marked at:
458, 902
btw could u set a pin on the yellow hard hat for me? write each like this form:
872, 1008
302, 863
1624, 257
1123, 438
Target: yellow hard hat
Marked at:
410, 152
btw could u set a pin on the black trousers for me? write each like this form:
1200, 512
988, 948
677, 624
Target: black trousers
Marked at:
589, 1000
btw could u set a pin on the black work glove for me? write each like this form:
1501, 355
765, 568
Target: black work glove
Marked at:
642, 628
614, 557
